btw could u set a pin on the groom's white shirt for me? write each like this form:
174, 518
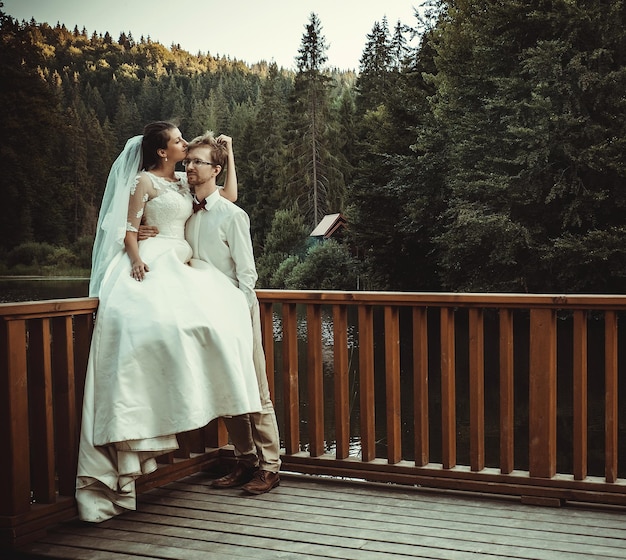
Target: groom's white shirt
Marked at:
220, 235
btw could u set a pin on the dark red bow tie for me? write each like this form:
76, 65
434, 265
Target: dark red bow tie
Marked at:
198, 205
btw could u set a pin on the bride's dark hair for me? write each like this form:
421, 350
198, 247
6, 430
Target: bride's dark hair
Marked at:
155, 137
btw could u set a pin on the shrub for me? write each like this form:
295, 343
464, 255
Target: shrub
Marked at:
82, 249
31, 254
327, 266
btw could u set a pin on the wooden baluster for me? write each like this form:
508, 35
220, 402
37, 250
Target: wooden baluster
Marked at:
580, 394
477, 389
420, 385
267, 329
290, 379
342, 392
40, 392
507, 396
315, 375
196, 441
448, 389
184, 445
392, 385
83, 329
367, 404
542, 393
611, 421
14, 436
66, 427
215, 434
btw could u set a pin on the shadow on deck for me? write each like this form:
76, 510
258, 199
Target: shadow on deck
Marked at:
313, 517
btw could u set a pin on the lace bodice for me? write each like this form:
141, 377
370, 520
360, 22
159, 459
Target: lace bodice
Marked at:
169, 212
162, 203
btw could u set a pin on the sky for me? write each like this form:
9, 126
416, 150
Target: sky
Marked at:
246, 30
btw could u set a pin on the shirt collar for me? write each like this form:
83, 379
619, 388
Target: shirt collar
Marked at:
211, 199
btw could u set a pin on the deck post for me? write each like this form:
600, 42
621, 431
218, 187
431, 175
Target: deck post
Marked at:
542, 393
15, 460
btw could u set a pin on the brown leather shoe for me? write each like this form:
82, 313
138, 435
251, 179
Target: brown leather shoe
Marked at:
262, 481
240, 475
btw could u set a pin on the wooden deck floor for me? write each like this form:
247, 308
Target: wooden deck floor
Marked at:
313, 518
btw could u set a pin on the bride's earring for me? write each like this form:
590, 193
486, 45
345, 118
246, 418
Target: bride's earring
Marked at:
165, 158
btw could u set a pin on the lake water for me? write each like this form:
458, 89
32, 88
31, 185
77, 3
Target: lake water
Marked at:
29, 288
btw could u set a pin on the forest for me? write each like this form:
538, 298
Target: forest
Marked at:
478, 148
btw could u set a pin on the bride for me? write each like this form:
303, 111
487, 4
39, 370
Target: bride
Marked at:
172, 345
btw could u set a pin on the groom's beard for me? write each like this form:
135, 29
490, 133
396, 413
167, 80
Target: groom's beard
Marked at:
193, 180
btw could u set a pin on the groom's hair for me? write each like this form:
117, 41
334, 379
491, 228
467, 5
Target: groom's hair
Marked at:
219, 152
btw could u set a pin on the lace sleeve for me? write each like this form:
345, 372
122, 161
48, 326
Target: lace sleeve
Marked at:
140, 193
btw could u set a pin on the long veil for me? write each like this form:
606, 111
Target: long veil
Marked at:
114, 211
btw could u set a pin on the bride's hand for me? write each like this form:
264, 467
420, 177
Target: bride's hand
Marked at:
226, 140
139, 270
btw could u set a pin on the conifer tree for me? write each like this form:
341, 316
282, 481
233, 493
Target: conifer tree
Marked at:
527, 98
314, 167
263, 156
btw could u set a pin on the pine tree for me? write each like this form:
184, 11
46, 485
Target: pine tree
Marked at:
375, 65
314, 165
527, 98
388, 105
263, 156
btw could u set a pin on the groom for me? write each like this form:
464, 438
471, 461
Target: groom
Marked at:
219, 233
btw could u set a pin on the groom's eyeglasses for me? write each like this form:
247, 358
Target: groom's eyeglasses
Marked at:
197, 162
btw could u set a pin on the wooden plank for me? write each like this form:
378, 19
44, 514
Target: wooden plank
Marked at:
49, 549
611, 422
580, 394
542, 393
43, 469
392, 385
301, 498
315, 376
48, 308
442, 299
209, 537
341, 381
477, 389
291, 434
448, 389
366, 383
507, 396
420, 385
306, 518
135, 545
395, 520
488, 481
339, 533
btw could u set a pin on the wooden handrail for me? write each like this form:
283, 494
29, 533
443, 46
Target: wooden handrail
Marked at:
416, 383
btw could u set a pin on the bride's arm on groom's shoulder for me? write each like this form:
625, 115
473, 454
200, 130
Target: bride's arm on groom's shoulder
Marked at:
229, 190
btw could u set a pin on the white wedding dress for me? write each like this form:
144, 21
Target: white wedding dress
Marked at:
168, 354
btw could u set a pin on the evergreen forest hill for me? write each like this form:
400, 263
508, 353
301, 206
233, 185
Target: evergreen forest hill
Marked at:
488, 157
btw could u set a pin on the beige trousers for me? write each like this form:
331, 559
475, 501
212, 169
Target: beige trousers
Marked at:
255, 436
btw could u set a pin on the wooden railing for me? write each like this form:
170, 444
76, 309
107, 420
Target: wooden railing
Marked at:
493, 393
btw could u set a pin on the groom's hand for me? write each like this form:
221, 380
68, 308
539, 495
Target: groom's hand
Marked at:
147, 231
